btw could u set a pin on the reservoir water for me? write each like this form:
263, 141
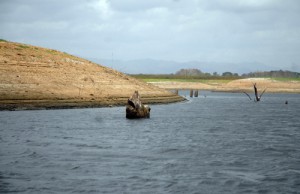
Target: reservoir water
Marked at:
216, 143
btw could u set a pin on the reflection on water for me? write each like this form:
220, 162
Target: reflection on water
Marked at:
216, 143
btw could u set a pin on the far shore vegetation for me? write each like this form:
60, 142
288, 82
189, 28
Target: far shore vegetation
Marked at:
195, 75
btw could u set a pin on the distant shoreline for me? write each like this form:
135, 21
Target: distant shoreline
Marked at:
40, 78
239, 85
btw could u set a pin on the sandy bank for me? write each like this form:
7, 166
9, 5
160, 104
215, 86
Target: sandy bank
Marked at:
239, 85
34, 77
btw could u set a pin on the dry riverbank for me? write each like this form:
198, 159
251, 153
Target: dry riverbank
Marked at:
239, 85
38, 78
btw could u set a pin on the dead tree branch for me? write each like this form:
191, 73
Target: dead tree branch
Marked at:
257, 97
247, 95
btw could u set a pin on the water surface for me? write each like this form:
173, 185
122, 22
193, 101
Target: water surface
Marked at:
221, 143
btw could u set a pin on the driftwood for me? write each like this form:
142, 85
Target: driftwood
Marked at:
257, 97
135, 109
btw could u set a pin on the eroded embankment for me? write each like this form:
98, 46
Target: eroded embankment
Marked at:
35, 78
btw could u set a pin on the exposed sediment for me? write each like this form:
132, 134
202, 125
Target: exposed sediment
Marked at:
39, 78
240, 85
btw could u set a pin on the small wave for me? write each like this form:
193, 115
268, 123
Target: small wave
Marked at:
91, 146
276, 178
33, 154
171, 150
216, 163
248, 176
135, 177
67, 137
294, 171
29, 153
283, 151
75, 167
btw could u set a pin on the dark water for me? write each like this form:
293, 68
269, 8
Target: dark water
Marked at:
223, 143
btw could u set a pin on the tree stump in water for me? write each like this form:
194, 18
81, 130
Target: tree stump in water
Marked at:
135, 109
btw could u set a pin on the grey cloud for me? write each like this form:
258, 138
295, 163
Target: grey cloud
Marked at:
266, 31
240, 6
137, 5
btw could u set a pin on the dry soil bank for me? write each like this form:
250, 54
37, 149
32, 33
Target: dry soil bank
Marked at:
33, 77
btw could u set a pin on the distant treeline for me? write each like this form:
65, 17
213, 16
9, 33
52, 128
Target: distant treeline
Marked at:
275, 74
198, 74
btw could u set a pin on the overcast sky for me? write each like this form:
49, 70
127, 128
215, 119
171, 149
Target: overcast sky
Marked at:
234, 31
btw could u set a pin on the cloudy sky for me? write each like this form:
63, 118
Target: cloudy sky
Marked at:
229, 31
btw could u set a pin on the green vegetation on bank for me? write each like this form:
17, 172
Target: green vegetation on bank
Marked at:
195, 75
286, 79
23, 46
207, 80
178, 78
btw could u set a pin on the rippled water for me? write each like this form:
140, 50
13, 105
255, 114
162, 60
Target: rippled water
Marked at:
223, 143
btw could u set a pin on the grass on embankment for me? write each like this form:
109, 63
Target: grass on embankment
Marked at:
205, 80
286, 79
173, 78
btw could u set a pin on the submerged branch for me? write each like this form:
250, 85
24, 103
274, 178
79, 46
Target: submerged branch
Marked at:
247, 95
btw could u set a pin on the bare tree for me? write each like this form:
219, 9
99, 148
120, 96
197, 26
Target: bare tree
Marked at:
257, 97
256, 93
